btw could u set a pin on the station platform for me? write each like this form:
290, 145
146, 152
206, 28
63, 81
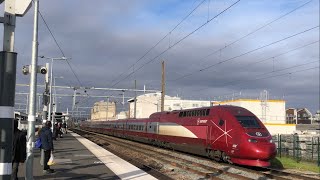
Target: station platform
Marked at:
79, 158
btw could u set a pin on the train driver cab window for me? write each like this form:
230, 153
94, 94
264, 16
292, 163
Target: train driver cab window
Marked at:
248, 121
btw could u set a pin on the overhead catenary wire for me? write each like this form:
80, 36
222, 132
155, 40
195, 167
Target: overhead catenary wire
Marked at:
59, 47
149, 50
254, 31
160, 40
270, 72
278, 75
245, 53
317, 67
263, 26
281, 54
176, 43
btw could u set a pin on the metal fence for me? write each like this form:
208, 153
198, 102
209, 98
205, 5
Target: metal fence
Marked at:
298, 147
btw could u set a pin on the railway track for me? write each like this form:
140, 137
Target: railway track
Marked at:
174, 163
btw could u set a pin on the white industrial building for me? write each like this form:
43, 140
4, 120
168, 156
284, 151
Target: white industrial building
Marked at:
151, 103
269, 111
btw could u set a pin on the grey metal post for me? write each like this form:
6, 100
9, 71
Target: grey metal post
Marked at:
46, 92
39, 103
135, 100
107, 108
50, 95
162, 87
74, 101
27, 103
50, 89
33, 96
123, 101
55, 94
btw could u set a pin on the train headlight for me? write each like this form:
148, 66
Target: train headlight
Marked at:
270, 141
252, 140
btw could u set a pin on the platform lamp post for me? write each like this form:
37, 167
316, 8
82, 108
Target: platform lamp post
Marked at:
50, 88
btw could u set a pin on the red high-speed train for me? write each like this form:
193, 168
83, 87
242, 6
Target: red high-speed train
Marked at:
228, 133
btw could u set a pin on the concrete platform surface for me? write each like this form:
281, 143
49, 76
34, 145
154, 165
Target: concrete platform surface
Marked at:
79, 158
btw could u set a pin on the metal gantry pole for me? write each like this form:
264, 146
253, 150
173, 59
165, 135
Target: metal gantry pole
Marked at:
107, 108
27, 103
123, 101
55, 94
162, 87
50, 95
33, 96
74, 101
39, 104
135, 100
45, 97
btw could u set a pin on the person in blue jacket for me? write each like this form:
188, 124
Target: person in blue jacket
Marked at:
47, 146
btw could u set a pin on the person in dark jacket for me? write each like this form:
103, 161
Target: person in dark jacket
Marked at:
19, 150
64, 127
47, 146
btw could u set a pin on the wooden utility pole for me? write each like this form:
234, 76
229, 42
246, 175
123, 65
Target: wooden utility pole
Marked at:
162, 87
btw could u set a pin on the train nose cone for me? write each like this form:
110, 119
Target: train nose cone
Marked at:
266, 152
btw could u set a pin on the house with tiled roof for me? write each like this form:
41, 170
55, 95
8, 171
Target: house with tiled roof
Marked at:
298, 116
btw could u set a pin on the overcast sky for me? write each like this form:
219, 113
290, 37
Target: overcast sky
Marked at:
254, 45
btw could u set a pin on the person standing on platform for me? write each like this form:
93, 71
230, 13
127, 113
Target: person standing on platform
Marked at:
60, 129
54, 132
47, 146
41, 150
19, 150
64, 126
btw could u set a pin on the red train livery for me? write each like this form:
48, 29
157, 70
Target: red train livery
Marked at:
224, 133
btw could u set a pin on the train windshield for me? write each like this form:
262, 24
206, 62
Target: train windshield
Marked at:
248, 121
